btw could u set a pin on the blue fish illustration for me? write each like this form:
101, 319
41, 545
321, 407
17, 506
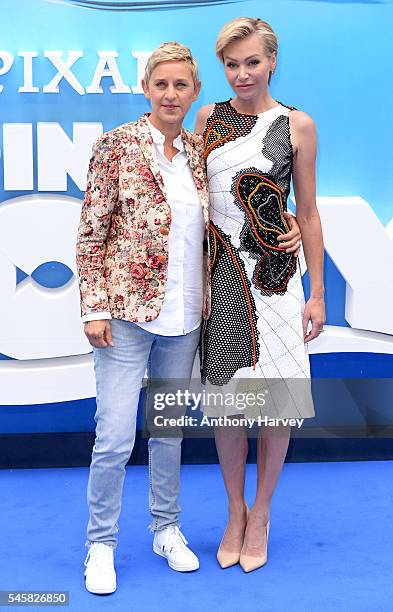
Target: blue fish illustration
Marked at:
51, 275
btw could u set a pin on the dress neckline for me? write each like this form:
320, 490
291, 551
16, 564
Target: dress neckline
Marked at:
232, 108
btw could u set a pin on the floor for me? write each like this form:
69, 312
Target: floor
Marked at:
330, 546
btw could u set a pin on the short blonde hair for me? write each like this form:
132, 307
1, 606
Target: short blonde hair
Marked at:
240, 28
171, 52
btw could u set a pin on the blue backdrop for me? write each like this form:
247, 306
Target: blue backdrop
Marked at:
334, 63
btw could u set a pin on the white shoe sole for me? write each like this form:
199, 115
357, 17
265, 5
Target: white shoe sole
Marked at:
96, 591
174, 566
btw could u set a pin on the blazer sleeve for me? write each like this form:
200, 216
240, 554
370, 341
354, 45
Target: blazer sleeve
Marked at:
100, 198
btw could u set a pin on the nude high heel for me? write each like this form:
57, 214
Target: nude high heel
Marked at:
226, 558
249, 563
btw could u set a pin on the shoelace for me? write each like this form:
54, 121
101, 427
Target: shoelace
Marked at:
176, 541
100, 558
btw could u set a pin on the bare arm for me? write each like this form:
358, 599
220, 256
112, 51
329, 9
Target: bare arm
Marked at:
304, 140
202, 117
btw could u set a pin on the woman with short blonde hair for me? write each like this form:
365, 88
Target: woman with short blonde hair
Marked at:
258, 325
144, 218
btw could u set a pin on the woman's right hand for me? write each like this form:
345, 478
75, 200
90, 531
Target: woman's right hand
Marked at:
99, 333
292, 240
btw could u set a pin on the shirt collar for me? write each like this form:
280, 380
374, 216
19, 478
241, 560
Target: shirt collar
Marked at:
159, 138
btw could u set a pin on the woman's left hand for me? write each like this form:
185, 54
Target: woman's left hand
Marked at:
315, 312
292, 240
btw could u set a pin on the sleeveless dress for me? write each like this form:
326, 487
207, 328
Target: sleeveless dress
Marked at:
254, 332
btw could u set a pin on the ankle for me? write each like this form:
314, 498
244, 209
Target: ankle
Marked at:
260, 514
237, 509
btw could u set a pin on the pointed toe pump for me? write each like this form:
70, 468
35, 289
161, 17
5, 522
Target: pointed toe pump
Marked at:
250, 563
226, 558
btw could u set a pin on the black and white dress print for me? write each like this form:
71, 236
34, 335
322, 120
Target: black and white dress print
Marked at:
254, 331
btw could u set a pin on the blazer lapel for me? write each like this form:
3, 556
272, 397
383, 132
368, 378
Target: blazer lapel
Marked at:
149, 152
196, 162
194, 158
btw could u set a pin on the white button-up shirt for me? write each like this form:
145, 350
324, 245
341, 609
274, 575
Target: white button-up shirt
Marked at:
181, 310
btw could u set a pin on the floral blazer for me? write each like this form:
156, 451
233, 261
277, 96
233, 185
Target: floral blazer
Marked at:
122, 245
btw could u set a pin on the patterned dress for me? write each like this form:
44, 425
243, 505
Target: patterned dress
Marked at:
255, 327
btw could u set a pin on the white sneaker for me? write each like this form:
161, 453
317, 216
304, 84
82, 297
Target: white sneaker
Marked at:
171, 544
100, 573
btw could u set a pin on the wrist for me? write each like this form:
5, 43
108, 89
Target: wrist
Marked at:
317, 291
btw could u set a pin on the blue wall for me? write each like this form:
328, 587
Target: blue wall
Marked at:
334, 63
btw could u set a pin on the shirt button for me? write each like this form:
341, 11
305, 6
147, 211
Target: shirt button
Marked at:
164, 230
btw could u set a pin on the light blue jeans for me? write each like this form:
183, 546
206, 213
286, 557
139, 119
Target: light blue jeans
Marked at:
119, 372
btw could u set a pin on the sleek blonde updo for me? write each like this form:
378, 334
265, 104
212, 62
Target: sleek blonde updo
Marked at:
240, 28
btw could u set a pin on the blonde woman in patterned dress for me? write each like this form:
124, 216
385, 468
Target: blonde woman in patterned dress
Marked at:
259, 325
